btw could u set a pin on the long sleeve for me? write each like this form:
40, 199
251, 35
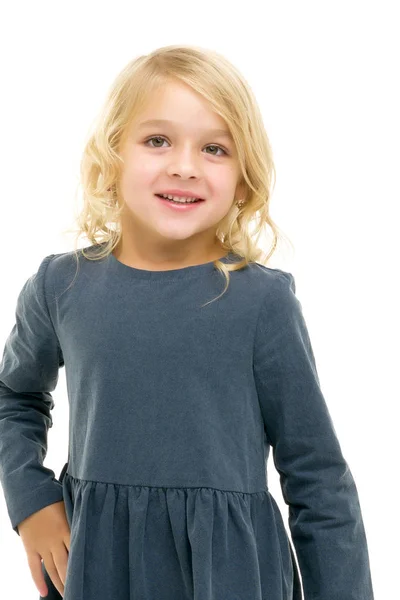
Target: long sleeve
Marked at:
28, 375
325, 517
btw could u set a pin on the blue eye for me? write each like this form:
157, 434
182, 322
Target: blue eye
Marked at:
159, 137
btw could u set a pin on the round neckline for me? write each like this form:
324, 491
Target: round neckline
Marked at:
171, 274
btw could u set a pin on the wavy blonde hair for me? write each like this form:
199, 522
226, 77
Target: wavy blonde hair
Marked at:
212, 76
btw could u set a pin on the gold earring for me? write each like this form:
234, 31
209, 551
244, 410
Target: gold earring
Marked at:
240, 203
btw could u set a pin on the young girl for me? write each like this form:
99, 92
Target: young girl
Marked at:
187, 359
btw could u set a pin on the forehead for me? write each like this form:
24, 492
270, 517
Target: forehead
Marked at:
221, 132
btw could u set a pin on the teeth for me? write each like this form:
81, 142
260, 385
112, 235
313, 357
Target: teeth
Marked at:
179, 198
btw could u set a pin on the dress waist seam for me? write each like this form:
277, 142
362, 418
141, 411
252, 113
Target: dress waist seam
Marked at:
166, 487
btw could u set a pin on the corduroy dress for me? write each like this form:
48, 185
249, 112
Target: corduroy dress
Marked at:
174, 408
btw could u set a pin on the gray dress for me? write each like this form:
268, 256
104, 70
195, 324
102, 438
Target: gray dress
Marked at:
174, 409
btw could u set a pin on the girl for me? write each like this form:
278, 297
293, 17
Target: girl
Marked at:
178, 389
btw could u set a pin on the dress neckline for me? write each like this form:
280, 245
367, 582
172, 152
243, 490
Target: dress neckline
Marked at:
172, 274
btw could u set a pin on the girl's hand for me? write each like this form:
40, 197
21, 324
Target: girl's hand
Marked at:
46, 535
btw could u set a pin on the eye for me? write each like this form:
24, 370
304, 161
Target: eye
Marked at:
159, 137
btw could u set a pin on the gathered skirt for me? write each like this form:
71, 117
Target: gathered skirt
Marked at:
155, 543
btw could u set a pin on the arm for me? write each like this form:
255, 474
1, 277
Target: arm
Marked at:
28, 375
325, 517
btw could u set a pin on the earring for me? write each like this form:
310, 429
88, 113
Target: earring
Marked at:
109, 200
240, 203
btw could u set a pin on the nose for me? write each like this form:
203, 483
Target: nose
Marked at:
184, 164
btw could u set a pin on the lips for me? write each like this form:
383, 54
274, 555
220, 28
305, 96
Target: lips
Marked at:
162, 197
180, 194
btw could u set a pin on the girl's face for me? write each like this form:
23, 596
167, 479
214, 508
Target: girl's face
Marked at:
185, 153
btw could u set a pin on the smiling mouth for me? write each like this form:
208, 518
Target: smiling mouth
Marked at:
177, 202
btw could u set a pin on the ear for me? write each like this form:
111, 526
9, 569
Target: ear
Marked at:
240, 190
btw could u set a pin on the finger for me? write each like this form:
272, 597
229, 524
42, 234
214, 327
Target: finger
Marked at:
67, 541
53, 573
61, 562
35, 566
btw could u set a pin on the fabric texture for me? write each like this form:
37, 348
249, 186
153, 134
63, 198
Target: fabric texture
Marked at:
174, 408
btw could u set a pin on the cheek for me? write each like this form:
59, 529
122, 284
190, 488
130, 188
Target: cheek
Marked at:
138, 177
224, 181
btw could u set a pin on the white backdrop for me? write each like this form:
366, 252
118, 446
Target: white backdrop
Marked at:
327, 80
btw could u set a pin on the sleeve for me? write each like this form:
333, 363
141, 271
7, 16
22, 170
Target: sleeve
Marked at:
325, 517
28, 374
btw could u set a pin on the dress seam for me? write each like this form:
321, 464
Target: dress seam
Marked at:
172, 487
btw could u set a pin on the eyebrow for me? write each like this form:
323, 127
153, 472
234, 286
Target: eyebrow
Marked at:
220, 132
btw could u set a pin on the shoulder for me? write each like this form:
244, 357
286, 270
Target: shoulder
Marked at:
66, 259
277, 301
271, 275
271, 282
62, 264
258, 286
55, 272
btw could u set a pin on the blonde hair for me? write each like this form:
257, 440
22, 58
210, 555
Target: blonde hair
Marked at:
218, 81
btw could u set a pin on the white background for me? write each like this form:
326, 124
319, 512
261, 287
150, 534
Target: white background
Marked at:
326, 76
